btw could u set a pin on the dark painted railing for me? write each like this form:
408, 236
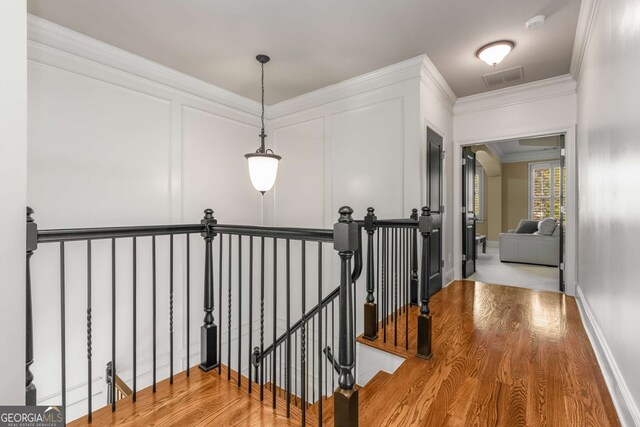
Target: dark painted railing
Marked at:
302, 330
395, 280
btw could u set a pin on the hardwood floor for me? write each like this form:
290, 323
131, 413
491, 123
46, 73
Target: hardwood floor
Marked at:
502, 356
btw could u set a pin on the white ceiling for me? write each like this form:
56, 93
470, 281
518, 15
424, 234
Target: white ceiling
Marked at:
317, 43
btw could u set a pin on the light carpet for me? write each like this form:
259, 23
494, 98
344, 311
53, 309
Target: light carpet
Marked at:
489, 269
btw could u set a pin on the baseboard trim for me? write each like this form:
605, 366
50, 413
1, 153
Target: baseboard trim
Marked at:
622, 400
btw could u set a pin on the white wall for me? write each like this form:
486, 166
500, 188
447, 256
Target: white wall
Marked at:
117, 140
13, 189
538, 108
359, 143
608, 155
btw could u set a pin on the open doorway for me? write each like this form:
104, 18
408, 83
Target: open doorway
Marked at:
513, 212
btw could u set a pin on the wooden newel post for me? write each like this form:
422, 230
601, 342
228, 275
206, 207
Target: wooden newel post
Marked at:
370, 306
413, 289
345, 241
32, 245
424, 318
209, 330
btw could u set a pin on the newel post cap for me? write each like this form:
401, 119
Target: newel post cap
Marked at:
345, 231
426, 221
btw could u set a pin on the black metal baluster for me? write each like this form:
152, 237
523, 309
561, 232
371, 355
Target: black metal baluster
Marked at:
320, 333
406, 289
229, 309
261, 318
395, 287
89, 331
239, 311
288, 320
249, 350
188, 239
275, 319
384, 283
220, 302
171, 309
333, 344
303, 342
313, 359
135, 317
113, 323
295, 365
153, 303
63, 344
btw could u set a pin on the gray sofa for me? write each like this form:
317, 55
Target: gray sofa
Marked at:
530, 248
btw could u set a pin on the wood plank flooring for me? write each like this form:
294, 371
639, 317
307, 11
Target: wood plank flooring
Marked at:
502, 356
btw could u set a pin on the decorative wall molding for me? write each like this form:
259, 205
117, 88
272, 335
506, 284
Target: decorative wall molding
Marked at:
56, 36
514, 95
628, 412
588, 12
413, 68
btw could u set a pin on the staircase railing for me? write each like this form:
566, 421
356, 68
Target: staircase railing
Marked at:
238, 268
395, 279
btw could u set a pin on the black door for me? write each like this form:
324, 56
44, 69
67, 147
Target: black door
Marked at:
468, 212
434, 201
561, 193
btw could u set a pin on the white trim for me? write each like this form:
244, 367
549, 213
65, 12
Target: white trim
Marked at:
628, 412
58, 37
588, 12
528, 92
414, 68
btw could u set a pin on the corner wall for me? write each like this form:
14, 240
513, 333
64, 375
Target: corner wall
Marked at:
608, 64
13, 188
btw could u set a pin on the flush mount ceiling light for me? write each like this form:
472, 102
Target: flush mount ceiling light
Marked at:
263, 164
494, 53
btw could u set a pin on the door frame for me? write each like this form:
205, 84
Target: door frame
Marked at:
571, 217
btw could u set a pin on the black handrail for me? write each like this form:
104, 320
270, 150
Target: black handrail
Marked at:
63, 235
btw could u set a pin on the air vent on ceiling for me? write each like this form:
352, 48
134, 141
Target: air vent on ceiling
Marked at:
505, 76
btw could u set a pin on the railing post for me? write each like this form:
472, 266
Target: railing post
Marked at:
370, 306
32, 245
414, 260
209, 330
424, 318
345, 235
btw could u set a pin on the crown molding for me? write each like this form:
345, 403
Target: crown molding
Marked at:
429, 72
43, 32
392, 74
541, 89
588, 12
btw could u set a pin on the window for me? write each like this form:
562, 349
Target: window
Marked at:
478, 206
544, 190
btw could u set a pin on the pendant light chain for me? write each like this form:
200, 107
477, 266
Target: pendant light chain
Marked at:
262, 116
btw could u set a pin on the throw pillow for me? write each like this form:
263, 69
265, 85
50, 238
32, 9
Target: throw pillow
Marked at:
546, 226
527, 227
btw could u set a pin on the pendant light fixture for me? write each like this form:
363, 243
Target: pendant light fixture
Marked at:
263, 164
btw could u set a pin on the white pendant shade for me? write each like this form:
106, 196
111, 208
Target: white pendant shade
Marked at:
263, 169
494, 53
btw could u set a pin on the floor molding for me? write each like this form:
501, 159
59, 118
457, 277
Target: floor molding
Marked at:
623, 401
